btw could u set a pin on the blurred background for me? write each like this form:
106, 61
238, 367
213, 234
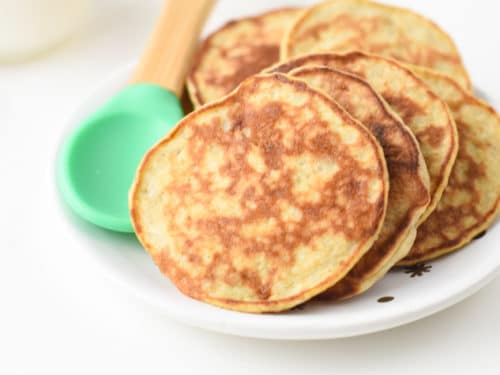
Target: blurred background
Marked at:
60, 315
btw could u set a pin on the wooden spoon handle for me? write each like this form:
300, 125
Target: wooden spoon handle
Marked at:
166, 59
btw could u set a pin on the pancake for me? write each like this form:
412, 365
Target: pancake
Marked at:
236, 51
408, 177
471, 200
247, 204
359, 25
426, 115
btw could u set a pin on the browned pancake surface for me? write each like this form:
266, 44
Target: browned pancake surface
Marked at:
421, 110
409, 181
236, 51
472, 198
348, 25
248, 203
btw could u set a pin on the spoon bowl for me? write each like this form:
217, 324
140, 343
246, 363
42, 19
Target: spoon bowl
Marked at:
98, 161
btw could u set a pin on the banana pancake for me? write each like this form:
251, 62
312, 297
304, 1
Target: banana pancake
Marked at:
236, 51
408, 177
427, 116
359, 25
247, 203
472, 198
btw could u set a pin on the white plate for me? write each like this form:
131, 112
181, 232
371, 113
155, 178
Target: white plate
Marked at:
415, 294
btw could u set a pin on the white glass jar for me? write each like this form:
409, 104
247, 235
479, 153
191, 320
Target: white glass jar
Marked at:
29, 27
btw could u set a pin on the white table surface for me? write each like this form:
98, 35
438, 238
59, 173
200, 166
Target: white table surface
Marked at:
60, 314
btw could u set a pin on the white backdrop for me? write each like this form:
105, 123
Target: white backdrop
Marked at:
59, 314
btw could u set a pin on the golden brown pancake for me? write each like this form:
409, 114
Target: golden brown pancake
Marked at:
248, 203
472, 198
408, 177
236, 51
426, 115
359, 25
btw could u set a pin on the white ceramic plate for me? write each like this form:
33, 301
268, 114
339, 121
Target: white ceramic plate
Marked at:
410, 294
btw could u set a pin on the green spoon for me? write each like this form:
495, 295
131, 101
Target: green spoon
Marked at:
98, 161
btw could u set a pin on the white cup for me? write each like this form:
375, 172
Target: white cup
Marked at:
29, 27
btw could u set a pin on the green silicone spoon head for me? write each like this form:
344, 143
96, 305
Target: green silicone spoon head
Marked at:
98, 161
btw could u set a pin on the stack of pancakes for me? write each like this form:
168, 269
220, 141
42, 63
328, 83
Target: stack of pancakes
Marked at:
328, 145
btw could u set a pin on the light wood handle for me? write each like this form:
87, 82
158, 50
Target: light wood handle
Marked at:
167, 57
